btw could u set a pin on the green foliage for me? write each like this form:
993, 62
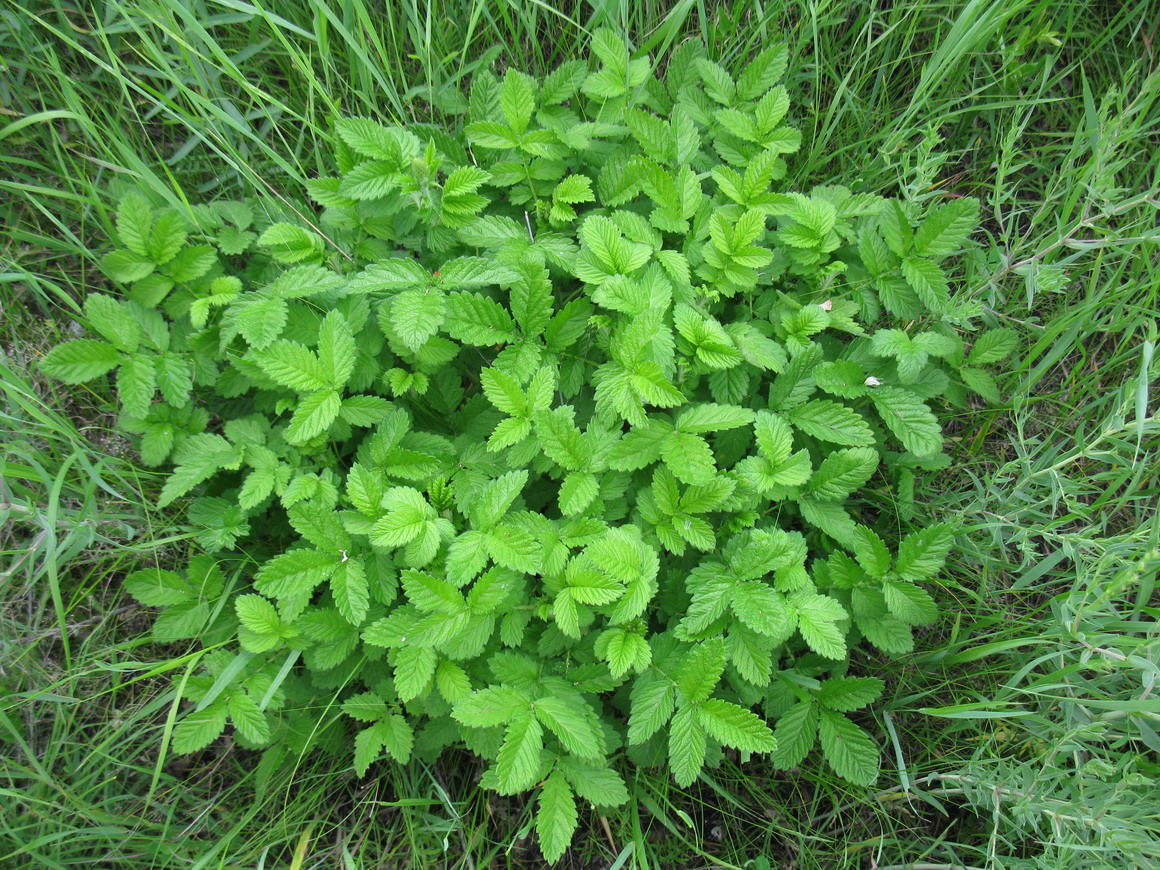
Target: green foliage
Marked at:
552, 447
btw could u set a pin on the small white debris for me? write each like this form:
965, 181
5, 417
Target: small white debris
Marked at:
872, 381
344, 556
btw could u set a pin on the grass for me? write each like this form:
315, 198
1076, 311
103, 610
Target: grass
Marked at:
1023, 732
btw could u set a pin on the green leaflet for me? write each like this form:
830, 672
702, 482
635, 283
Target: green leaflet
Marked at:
848, 748
556, 817
796, 733
909, 419
735, 726
519, 756
687, 745
84, 359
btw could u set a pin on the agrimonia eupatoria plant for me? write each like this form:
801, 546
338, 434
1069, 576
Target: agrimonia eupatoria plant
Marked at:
551, 436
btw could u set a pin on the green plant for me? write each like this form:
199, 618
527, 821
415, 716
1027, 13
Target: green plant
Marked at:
409, 414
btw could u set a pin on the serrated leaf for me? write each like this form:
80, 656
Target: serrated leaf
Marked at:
492, 134
731, 725
653, 134
414, 670
909, 419
850, 693
368, 743
687, 746
370, 139
365, 488
556, 817
711, 417
911, 604
688, 457
463, 272
293, 365
313, 416
174, 379
848, 749
816, 617
573, 722
701, 670
364, 707
518, 761
624, 651
531, 300
116, 325
762, 609
577, 491
762, 72
408, 513
466, 557
260, 319
922, 554
845, 378
336, 349
592, 587
831, 422
945, 227
513, 548
80, 360
562, 442
888, 633
842, 473
751, 654
719, 85
517, 100
507, 432
478, 320
574, 189
199, 729
371, 180
928, 281
292, 574
431, 594
390, 274
288, 243
871, 552
134, 221
495, 705
981, 382
416, 315
348, 584
155, 587
601, 786
452, 682
992, 346
257, 614
367, 411
653, 698
562, 82
493, 500
191, 263
397, 736
136, 384
503, 391
796, 732
198, 458
250, 721
126, 266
